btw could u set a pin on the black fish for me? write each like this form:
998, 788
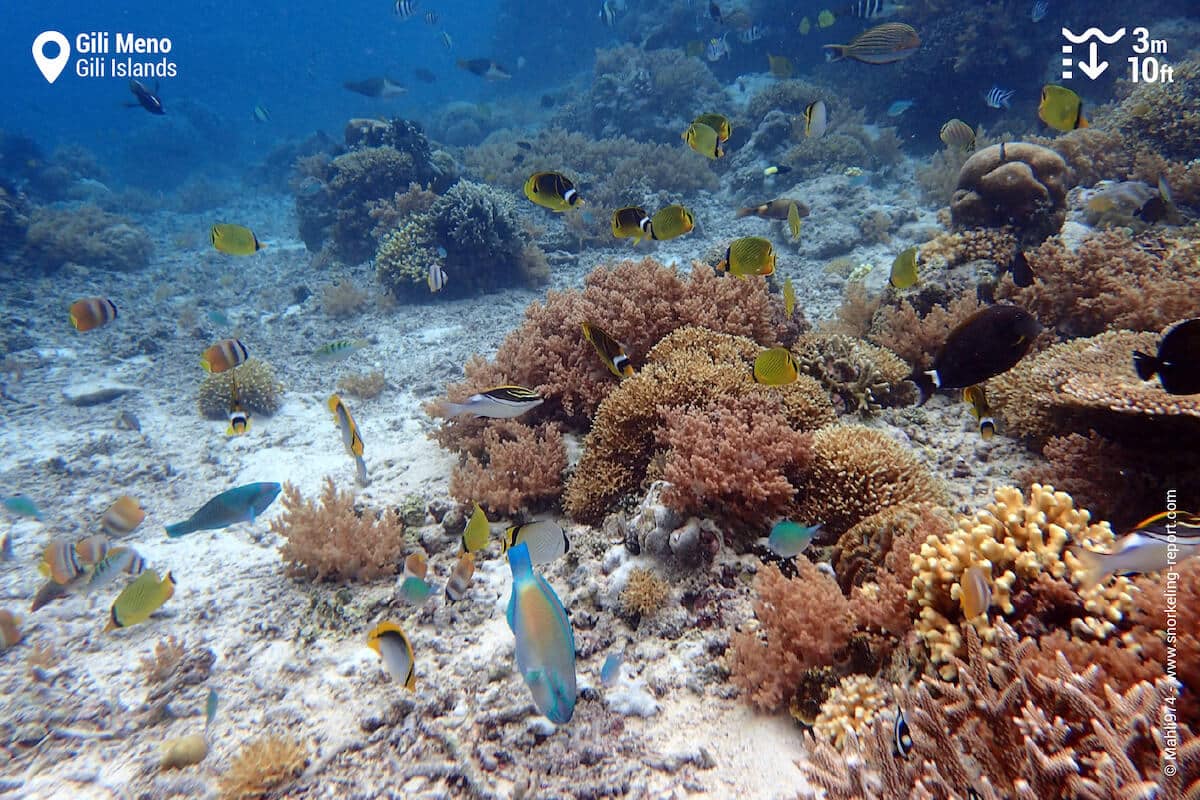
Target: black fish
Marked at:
901, 737
424, 75
146, 98
547, 101
1178, 361
714, 11
485, 68
375, 87
524, 145
1022, 275
986, 344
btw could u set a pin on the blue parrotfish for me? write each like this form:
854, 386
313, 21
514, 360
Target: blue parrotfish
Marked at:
242, 504
545, 642
23, 505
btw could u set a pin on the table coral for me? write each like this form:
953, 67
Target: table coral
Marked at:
1022, 546
1014, 184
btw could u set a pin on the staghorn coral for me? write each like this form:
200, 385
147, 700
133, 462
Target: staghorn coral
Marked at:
1112, 280
1036, 582
332, 540
519, 468
857, 472
257, 390
263, 767
802, 624
860, 377
1015, 184
644, 593
85, 235
849, 708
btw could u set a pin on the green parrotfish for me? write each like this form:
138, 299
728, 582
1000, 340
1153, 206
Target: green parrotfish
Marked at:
242, 504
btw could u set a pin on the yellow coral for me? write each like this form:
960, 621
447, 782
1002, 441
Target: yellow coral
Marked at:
849, 708
403, 257
1018, 542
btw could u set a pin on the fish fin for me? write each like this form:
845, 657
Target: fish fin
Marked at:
924, 383
1093, 562
177, 530
1145, 365
743, 212
834, 52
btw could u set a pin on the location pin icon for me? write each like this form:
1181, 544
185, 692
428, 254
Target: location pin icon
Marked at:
51, 67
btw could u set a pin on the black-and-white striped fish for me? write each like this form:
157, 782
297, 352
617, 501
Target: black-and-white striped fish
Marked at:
431, 17
608, 13
871, 9
447, 42
999, 98
752, 34
436, 278
405, 8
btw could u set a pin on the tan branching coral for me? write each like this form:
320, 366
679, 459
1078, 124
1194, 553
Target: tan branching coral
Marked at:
917, 337
644, 593
342, 299
1022, 546
856, 472
363, 385
332, 540
860, 377
979, 244
1014, 184
849, 708
263, 767
520, 468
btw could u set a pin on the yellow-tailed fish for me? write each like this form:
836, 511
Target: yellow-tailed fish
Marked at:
413, 585
186, 751
781, 66
545, 538
545, 643
958, 135
776, 367
499, 402
122, 517
825, 19
750, 255
350, 437
789, 298
671, 222
90, 550
477, 533
224, 355
336, 351
703, 139
119, 560
1154, 544
976, 398
389, 641
552, 190
141, 598
91, 313
234, 240
776, 169
59, 561
776, 209
611, 352
719, 123
883, 44
631, 222
1061, 108
793, 221
816, 119
974, 592
460, 577
904, 268
10, 629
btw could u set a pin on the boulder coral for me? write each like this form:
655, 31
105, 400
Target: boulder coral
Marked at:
1014, 184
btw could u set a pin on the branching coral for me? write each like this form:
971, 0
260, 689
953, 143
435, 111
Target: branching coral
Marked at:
1036, 583
1111, 281
849, 708
263, 767
916, 337
860, 377
644, 593
363, 385
519, 468
258, 390
342, 299
332, 540
85, 235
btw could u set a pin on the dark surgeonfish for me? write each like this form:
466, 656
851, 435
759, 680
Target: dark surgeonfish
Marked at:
146, 98
1178, 361
988, 343
376, 87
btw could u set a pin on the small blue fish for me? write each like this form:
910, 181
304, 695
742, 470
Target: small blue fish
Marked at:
545, 643
999, 98
415, 590
789, 539
1038, 12
210, 708
899, 107
610, 673
219, 319
23, 505
242, 504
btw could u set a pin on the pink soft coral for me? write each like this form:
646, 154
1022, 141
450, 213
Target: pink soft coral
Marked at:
522, 470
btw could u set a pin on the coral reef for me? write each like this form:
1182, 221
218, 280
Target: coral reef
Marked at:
263, 767
363, 385
1015, 184
258, 390
14, 221
914, 336
342, 299
85, 235
519, 468
849, 708
644, 593
331, 539
860, 377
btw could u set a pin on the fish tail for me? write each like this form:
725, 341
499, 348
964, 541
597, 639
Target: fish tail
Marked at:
743, 212
1093, 563
361, 467
179, 529
1145, 365
924, 383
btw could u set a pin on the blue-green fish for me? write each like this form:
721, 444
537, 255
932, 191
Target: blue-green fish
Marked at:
218, 318
210, 708
789, 539
23, 505
545, 642
242, 504
610, 672
336, 351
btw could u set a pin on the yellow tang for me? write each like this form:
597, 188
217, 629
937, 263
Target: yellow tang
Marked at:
781, 66
750, 255
719, 123
476, 534
794, 221
904, 268
704, 140
1061, 108
552, 190
631, 222
776, 367
234, 240
611, 352
389, 641
141, 598
671, 222
789, 298
825, 19
805, 27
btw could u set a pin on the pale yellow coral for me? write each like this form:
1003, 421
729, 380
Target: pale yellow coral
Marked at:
1016, 542
849, 708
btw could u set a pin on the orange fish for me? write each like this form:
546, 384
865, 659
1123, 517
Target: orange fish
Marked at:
92, 312
122, 516
975, 593
225, 354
